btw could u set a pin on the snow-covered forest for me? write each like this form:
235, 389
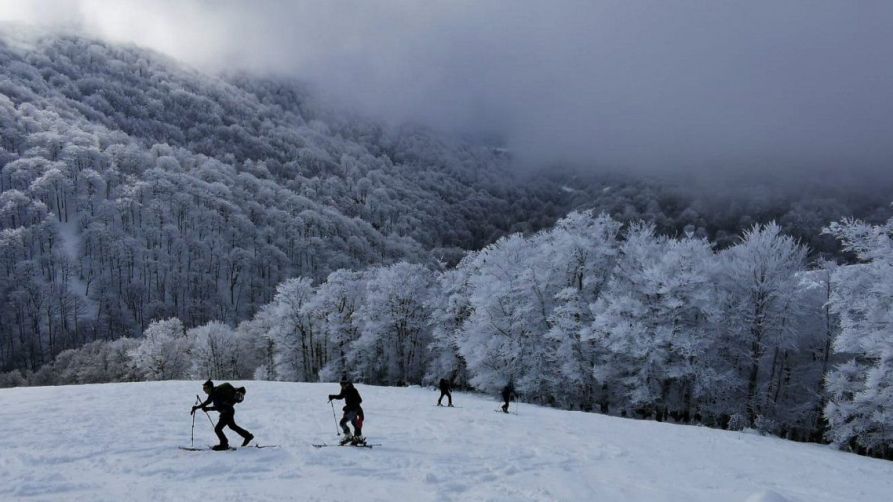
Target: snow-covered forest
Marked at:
157, 223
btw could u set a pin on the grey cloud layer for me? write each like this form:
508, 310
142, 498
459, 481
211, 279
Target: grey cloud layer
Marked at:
697, 85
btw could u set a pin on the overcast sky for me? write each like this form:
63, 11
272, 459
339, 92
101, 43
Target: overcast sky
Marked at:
654, 85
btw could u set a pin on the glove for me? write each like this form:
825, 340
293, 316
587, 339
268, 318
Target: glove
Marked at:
193, 410
331, 397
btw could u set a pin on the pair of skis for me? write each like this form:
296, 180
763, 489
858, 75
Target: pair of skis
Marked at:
319, 445
366, 445
231, 448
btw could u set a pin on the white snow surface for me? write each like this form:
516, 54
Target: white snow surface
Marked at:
119, 442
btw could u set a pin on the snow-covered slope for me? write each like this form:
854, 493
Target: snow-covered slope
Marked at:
119, 442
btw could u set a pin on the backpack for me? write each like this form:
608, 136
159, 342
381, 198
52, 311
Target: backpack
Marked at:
230, 394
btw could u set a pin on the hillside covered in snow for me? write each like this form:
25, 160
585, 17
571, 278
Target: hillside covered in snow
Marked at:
133, 189
119, 442
153, 189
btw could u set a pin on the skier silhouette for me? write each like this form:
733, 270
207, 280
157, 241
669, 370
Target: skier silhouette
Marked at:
446, 389
224, 397
353, 413
508, 394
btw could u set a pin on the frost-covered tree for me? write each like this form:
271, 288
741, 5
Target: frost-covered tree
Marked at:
449, 310
508, 316
394, 325
214, 352
759, 283
515, 287
860, 406
582, 252
573, 350
655, 323
293, 328
97, 362
257, 346
334, 307
164, 353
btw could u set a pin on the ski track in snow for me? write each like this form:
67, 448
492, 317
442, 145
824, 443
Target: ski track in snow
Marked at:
119, 442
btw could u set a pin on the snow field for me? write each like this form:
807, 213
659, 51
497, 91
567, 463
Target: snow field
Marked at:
119, 442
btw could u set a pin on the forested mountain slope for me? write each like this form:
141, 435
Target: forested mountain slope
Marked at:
135, 189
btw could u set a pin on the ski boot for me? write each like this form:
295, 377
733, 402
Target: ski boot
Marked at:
346, 439
358, 441
220, 447
248, 439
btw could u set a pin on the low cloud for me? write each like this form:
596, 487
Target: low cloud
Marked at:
649, 86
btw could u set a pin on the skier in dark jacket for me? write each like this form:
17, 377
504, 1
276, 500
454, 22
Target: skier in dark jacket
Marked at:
224, 397
446, 389
353, 413
508, 394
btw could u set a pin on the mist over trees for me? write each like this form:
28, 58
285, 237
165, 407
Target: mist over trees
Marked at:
156, 223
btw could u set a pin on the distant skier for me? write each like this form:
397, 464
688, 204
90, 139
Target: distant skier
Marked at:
508, 394
353, 413
446, 389
224, 397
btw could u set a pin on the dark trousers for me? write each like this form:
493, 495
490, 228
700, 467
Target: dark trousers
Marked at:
227, 419
446, 393
355, 417
505, 407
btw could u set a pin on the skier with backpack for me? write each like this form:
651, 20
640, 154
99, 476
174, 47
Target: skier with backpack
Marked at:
224, 397
446, 389
353, 413
508, 394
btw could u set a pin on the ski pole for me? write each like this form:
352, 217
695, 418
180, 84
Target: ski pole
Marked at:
335, 418
206, 413
192, 436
